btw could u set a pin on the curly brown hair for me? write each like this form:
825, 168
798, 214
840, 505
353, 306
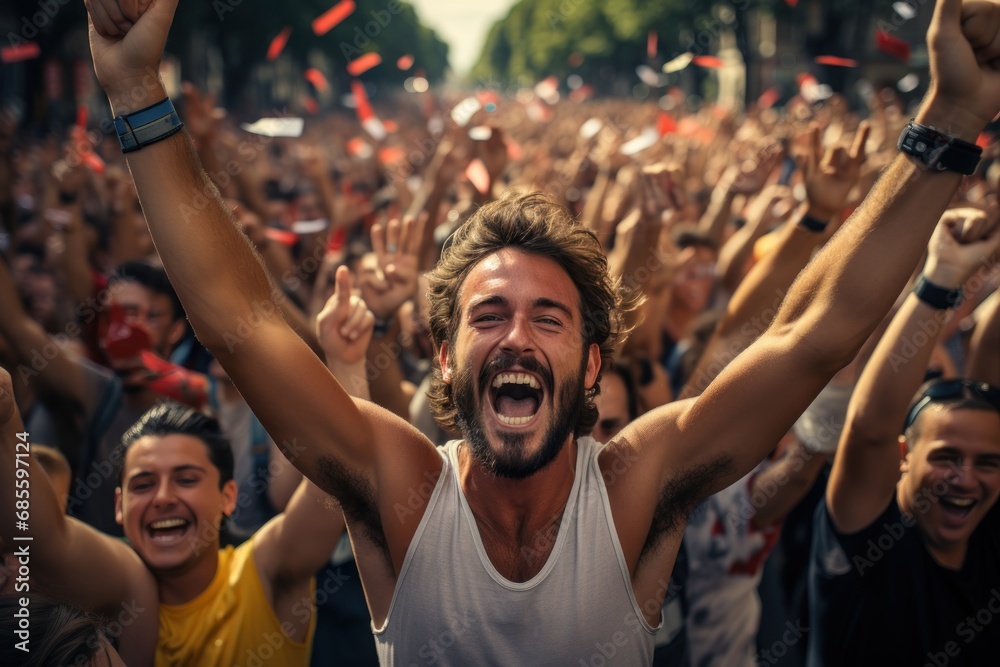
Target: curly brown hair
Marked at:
531, 223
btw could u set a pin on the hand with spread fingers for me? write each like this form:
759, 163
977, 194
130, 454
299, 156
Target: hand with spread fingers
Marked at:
830, 175
393, 279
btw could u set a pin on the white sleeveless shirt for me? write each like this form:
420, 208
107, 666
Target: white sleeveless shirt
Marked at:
452, 607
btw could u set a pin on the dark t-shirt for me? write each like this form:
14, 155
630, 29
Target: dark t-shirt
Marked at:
877, 597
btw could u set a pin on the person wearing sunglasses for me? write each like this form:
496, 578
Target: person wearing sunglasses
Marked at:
906, 543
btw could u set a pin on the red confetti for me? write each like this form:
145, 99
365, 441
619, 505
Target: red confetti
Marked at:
311, 105
93, 162
362, 106
405, 62
581, 94
282, 236
363, 64
390, 125
665, 124
894, 46
792, 3
391, 155
356, 146
19, 52
835, 61
316, 78
651, 44
278, 43
81, 116
478, 175
711, 62
984, 140
768, 98
326, 21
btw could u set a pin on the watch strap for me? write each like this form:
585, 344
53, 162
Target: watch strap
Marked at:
147, 126
937, 151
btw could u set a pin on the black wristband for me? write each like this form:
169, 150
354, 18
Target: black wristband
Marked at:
813, 224
935, 296
382, 327
937, 151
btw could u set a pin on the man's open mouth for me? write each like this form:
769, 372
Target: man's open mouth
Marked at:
515, 397
167, 531
957, 507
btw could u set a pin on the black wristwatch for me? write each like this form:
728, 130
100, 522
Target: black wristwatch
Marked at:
937, 151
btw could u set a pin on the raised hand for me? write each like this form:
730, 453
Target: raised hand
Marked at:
750, 179
397, 254
964, 240
344, 326
964, 44
829, 180
126, 40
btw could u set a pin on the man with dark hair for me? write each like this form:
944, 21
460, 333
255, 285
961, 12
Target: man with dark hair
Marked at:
905, 548
528, 541
171, 589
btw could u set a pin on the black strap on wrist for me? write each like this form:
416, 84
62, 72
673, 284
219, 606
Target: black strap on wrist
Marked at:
937, 151
382, 327
813, 224
935, 296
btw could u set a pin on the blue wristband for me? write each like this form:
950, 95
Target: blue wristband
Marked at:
147, 126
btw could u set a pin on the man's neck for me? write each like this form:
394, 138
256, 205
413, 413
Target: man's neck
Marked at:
183, 586
518, 519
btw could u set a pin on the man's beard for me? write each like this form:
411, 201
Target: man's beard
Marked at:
510, 462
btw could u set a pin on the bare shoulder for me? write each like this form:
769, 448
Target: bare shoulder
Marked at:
655, 474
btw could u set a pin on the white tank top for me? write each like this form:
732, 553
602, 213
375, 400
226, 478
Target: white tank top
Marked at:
452, 607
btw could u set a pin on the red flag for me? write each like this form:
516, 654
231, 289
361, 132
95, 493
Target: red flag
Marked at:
326, 21
278, 43
363, 64
405, 62
19, 52
651, 44
892, 45
316, 78
711, 62
665, 124
835, 61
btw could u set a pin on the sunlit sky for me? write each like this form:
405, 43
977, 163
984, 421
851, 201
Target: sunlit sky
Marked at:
463, 24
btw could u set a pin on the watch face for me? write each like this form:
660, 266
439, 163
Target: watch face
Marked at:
937, 151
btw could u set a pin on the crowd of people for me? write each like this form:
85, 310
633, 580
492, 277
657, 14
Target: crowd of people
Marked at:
602, 384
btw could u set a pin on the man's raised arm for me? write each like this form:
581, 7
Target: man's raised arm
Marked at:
229, 299
702, 446
69, 560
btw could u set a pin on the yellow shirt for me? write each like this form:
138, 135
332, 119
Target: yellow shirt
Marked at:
231, 623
